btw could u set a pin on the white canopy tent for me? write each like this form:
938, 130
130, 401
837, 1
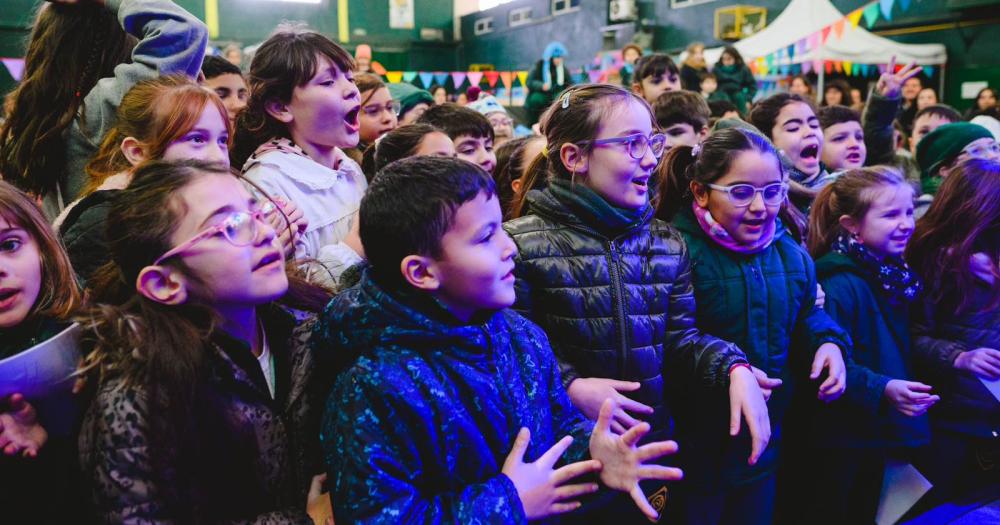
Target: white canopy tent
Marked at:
803, 18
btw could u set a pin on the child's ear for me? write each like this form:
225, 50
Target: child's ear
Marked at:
700, 193
163, 285
515, 184
637, 89
703, 134
573, 158
278, 110
132, 149
420, 272
850, 224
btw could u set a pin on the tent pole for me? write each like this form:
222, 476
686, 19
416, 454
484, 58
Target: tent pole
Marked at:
820, 82
941, 84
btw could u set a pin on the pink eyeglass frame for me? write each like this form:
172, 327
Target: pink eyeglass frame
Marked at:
255, 216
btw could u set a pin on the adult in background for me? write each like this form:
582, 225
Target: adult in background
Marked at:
693, 67
630, 56
548, 78
986, 99
909, 109
736, 81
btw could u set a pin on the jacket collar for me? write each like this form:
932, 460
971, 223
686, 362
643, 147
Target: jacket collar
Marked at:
580, 208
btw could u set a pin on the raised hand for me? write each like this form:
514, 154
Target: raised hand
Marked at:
589, 393
891, 82
829, 357
747, 400
542, 490
20, 432
909, 397
623, 464
984, 362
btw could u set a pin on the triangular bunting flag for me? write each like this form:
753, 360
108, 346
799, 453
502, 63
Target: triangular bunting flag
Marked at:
475, 77
15, 66
838, 27
522, 76
458, 77
806, 67
855, 17
905, 4
826, 33
838, 66
440, 78
492, 77
865, 69
505, 77
847, 68
828, 66
394, 76
929, 71
886, 8
594, 75
800, 47
817, 66
408, 76
426, 79
813, 41
753, 67
790, 51
871, 14
784, 70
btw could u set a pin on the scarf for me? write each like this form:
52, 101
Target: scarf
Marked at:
899, 283
591, 208
721, 237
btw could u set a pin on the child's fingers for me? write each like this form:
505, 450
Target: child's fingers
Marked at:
564, 507
658, 449
553, 454
735, 415
633, 406
573, 491
626, 386
516, 454
660, 472
634, 434
891, 68
617, 428
573, 470
624, 419
640, 501
604, 416
819, 362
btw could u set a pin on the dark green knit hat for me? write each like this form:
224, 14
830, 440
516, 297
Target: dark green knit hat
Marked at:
409, 96
942, 145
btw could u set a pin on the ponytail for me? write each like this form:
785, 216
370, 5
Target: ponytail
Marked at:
674, 191
824, 223
534, 178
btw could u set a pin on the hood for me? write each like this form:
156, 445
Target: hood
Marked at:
554, 49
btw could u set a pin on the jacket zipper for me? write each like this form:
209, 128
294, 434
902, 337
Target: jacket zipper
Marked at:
618, 292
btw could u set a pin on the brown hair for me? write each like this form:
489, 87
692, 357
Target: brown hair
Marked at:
289, 58
940, 251
156, 112
368, 82
851, 194
70, 49
682, 107
59, 294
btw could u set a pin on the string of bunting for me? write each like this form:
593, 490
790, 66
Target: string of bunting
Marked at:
456, 80
781, 62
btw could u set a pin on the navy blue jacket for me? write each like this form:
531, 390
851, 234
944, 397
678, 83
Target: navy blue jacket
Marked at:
417, 428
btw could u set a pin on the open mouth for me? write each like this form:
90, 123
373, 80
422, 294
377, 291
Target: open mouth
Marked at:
641, 182
854, 157
7, 296
809, 152
352, 118
507, 276
267, 260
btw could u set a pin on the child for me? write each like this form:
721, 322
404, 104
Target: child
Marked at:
227, 81
736, 81
80, 62
378, 109
303, 109
930, 119
683, 117
38, 296
513, 159
926, 98
655, 74
754, 285
859, 228
708, 87
722, 110
957, 336
204, 390
946, 146
471, 132
413, 101
423, 423
411, 140
503, 126
609, 283
843, 139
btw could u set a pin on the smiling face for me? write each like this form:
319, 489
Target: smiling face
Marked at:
325, 111
796, 132
208, 140
844, 146
227, 276
609, 169
744, 224
20, 274
475, 271
888, 224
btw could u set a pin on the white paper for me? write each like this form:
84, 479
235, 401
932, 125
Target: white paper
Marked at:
993, 385
902, 487
401, 14
44, 369
971, 89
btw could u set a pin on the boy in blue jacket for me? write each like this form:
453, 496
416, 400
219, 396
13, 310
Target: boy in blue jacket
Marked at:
450, 407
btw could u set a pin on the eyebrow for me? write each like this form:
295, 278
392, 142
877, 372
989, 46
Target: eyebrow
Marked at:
12, 229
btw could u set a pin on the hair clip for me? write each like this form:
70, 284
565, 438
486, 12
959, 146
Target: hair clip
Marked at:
696, 150
565, 101
545, 151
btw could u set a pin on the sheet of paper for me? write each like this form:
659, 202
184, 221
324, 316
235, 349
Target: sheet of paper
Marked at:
902, 487
44, 369
971, 89
993, 385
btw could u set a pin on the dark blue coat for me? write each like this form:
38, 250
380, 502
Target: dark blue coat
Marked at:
417, 428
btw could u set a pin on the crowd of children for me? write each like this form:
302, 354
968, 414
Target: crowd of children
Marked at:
304, 295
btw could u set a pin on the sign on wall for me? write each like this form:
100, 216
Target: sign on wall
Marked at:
401, 14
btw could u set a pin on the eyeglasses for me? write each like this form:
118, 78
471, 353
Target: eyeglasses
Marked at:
983, 151
372, 110
501, 122
741, 195
636, 144
239, 228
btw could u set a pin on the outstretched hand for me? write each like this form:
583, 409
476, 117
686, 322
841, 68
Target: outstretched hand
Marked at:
624, 463
542, 489
20, 432
891, 82
747, 401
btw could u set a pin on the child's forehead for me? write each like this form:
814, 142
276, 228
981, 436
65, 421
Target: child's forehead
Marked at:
459, 139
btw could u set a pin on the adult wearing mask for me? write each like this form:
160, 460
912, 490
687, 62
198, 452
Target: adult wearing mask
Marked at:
548, 78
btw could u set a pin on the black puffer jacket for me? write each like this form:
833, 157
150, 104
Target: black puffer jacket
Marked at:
615, 302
